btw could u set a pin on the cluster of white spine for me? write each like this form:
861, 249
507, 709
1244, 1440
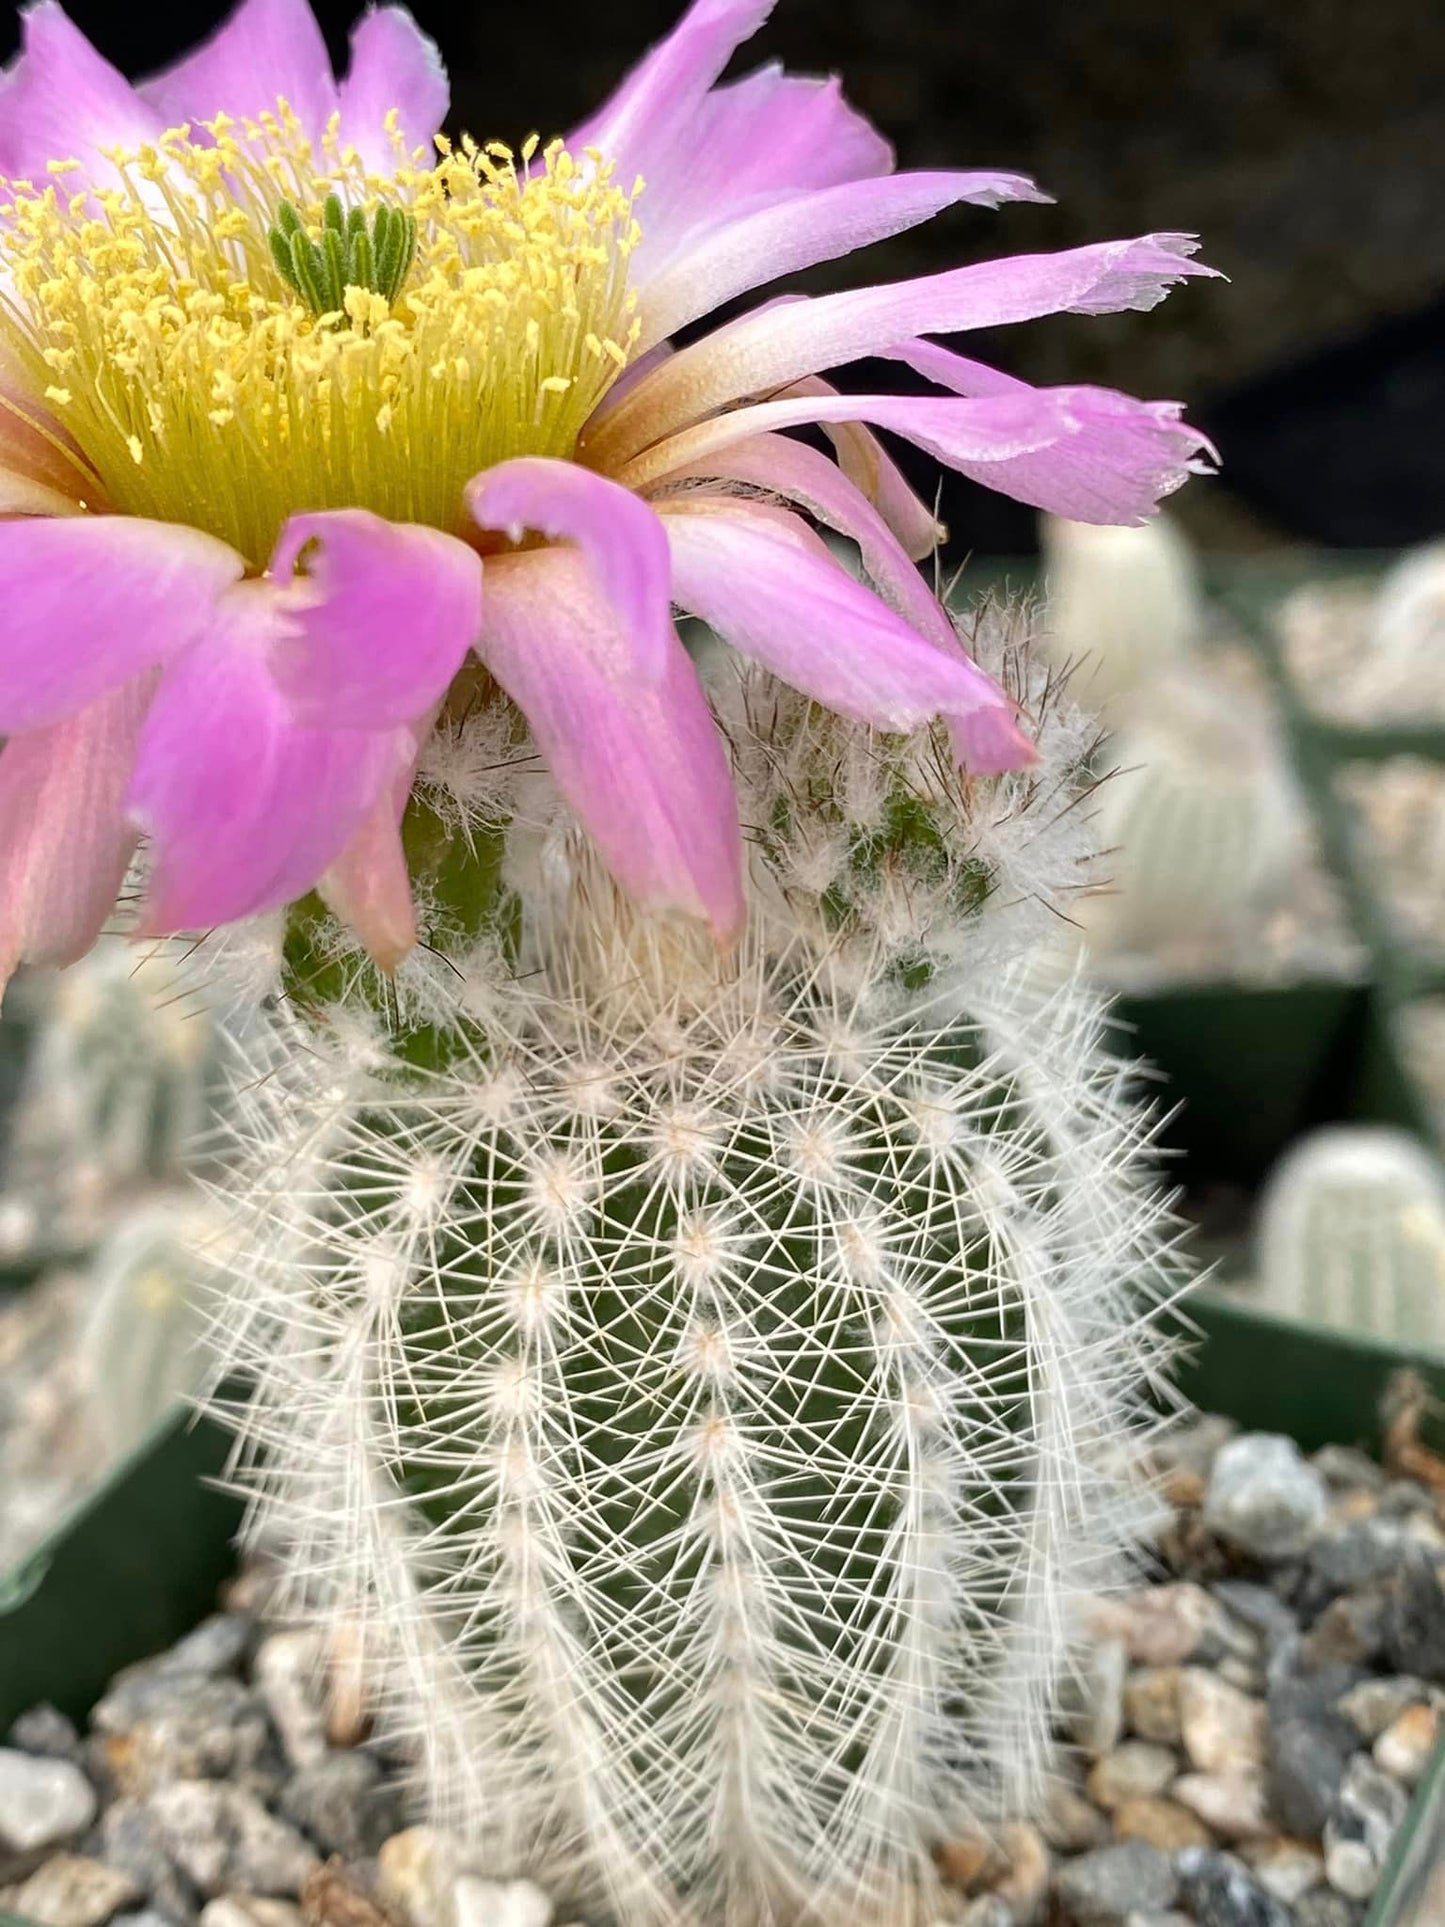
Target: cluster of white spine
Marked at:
709, 1391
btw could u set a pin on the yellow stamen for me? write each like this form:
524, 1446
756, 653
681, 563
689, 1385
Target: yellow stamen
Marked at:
200, 387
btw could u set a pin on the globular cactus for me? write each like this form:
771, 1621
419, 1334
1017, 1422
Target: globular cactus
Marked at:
1124, 605
1201, 828
1352, 1235
1368, 653
710, 1382
140, 1348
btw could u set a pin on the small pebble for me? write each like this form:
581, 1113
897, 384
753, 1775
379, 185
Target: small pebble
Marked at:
250, 1910
1233, 1805
342, 1803
42, 1802
1371, 1705
1097, 1697
1108, 1885
289, 1670
1407, 1745
45, 1730
1325, 1908
223, 1839
1223, 1729
1072, 1824
1416, 1631
1133, 1771
215, 1647
161, 1727
1286, 1868
1259, 1608
1307, 1762
143, 1917
1160, 1625
416, 1871
1350, 1631
500, 1903
72, 1891
1162, 1823
1362, 1828
986, 1910
1263, 1497
1025, 1886
1220, 1891
133, 1842
1151, 1704
1347, 1468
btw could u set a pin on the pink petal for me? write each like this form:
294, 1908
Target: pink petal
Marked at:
64, 838
806, 477
244, 808
378, 624
393, 64
369, 884
92, 600
764, 352
873, 471
1120, 457
60, 100
768, 242
618, 533
267, 50
768, 585
36, 449
641, 763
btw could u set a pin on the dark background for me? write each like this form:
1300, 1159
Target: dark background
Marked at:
1304, 141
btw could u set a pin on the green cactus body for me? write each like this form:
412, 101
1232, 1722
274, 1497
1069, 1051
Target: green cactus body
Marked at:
1352, 1234
710, 1381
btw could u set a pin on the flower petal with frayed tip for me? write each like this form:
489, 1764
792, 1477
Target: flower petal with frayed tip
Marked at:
769, 586
614, 529
61, 100
245, 809
641, 762
65, 839
765, 244
393, 64
265, 50
92, 600
792, 339
1119, 459
378, 623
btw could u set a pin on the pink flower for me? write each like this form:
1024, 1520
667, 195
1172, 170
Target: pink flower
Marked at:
297, 411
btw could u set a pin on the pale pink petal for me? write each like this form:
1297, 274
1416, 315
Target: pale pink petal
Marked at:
641, 762
769, 586
369, 884
1120, 457
35, 447
764, 352
64, 838
873, 471
393, 64
806, 228
90, 601
806, 477
19, 495
617, 533
378, 623
60, 100
267, 50
245, 810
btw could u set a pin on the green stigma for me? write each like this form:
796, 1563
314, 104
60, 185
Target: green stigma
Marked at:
349, 254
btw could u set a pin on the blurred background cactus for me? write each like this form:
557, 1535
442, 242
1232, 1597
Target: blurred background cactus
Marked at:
712, 1383
1352, 1235
1125, 605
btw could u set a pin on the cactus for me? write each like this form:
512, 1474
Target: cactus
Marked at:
1352, 1234
710, 1382
1124, 604
1200, 825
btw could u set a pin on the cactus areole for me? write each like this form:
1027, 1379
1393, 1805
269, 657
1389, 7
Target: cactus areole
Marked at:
699, 1268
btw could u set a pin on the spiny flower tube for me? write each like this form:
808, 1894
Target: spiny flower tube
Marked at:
314, 425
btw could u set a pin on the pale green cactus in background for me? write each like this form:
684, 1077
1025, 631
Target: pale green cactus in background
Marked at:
1352, 1234
712, 1382
1124, 605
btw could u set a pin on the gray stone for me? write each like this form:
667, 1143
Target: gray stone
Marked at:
1415, 1636
1106, 1886
290, 1670
1355, 1556
1302, 1696
161, 1727
1403, 1497
1361, 1829
251, 1910
986, 1910
1171, 1919
1220, 1891
1072, 1824
42, 1802
1371, 1705
1264, 1497
222, 1838
45, 1730
1192, 1445
1325, 1908
214, 1648
1259, 1607
342, 1803
133, 1842
1351, 1631
1306, 1768
1345, 1467
1133, 1771
143, 1917
72, 1891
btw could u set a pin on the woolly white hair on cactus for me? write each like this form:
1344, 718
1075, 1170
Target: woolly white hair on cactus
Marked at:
1123, 604
710, 1383
1352, 1234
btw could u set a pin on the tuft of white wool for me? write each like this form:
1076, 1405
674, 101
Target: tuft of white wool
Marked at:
710, 1390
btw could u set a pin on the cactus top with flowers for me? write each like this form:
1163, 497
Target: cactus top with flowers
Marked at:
305, 411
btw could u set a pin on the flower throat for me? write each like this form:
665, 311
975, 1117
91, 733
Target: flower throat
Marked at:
233, 331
